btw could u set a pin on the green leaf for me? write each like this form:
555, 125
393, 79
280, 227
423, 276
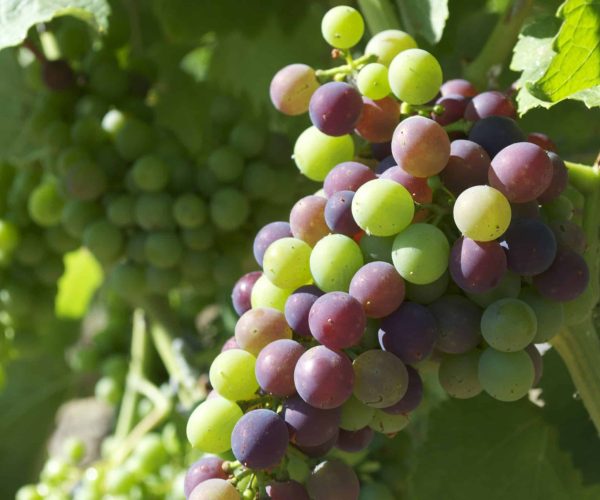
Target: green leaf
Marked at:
481, 448
82, 276
576, 66
16, 16
425, 18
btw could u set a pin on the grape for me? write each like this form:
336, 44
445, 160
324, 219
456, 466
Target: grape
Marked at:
85, 181
286, 263
378, 288
30, 250
154, 211
420, 253
259, 439
259, 327
189, 210
530, 247
375, 248
229, 209
421, 146
297, 308
266, 294
382, 207
342, 27
226, 163
412, 397
410, 333
490, 103
334, 108
267, 235
163, 249
458, 322
333, 262
569, 235
324, 378
482, 213
232, 375
337, 320
381, 378
378, 120
506, 376
45, 204
120, 210
104, 240
292, 88
215, 489
259, 180
316, 153
495, 133
58, 75
566, 279
275, 366
333, 480
380, 150
453, 108
307, 219
509, 286
9, 236
386, 163
338, 213
459, 374
386, 423
372, 81
415, 76
529, 210
508, 325
521, 171
354, 441
542, 140
426, 294
477, 267
458, 87
286, 490
77, 215
538, 363
128, 279
240, 296
133, 138
355, 415
560, 179
467, 166
388, 44
347, 176
307, 425
108, 80
549, 314
319, 450
560, 208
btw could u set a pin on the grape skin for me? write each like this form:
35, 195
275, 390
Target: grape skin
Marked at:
292, 87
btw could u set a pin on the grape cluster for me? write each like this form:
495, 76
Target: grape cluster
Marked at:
442, 235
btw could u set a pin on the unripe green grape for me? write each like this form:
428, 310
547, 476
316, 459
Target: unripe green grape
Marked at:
31, 249
342, 27
71, 156
104, 240
287, 263
266, 294
372, 81
9, 236
113, 121
162, 281
334, 261
154, 211
50, 270
87, 132
57, 136
77, 215
206, 181
232, 375
85, 181
59, 240
108, 390
91, 105
199, 238
355, 415
509, 286
229, 209
196, 266
46, 204
508, 325
74, 449
550, 315
559, 209
248, 138
506, 376
386, 423
28, 492
120, 210
73, 38
151, 452
226, 163
128, 280
415, 76
259, 181
482, 213
458, 374
163, 249
133, 138
224, 109
150, 173
388, 44
189, 210
377, 248
108, 80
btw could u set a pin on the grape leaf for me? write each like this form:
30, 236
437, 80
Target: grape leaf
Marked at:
425, 18
481, 448
16, 16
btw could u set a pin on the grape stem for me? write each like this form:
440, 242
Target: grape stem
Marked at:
345, 69
379, 15
37, 53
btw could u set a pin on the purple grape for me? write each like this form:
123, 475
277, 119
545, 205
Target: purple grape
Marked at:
242, 290
569, 235
275, 367
491, 103
383, 165
208, 467
333, 480
286, 490
467, 166
476, 266
379, 289
416, 186
566, 279
347, 176
353, 441
495, 133
338, 214
307, 219
259, 439
337, 320
335, 107
530, 246
319, 450
528, 210
310, 426
542, 140
381, 150
410, 333
413, 396
260, 326
230, 343
560, 179
298, 306
538, 363
324, 378
378, 119
458, 86
458, 321
454, 108
292, 87
267, 235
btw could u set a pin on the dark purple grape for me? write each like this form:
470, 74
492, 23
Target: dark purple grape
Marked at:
298, 306
353, 441
242, 290
521, 171
560, 179
530, 246
335, 107
378, 119
458, 321
542, 140
454, 108
566, 279
458, 86
381, 150
267, 235
476, 266
208, 467
538, 363
413, 396
337, 320
319, 450
275, 367
333, 480
490, 103
410, 333
383, 165
310, 426
338, 214
307, 219
569, 235
286, 490
324, 378
379, 289
495, 133
347, 176
528, 210
259, 439
467, 166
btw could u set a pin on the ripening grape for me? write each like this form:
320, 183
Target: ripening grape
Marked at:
458, 321
378, 288
381, 379
508, 325
506, 376
258, 327
347, 176
218, 489
412, 397
337, 320
490, 103
355, 415
275, 366
342, 27
387, 423
495, 133
458, 87
482, 213
292, 88
333, 480
286, 263
207, 467
459, 374
388, 44
530, 246
310, 426
335, 108
566, 279
550, 314
477, 267
378, 119
415, 76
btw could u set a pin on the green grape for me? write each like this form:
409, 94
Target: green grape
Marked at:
266, 294
287, 263
226, 163
226, 270
85, 181
163, 249
50, 270
355, 415
482, 213
28, 492
248, 138
31, 249
334, 261
7, 175
119, 481
388, 44
136, 244
128, 280
162, 281
56, 136
259, 181
116, 367
9, 237
77, 215
558, 209
189, 210
415, 76
108, 390
426, 294
377, 248
83, 359
577, 200
229, 209
211, 423
151, 453
59, 240
506, 376
73, 38
508, 325
91, 105
342, 27
458, 374
375, 491
133, 138
420, 253
150, 173
110, 162
550, 314
108, 80
87, 132
74, 449
372, 81
70, 157
120, 210
206, 181
386, 423
509, 286
45, 204
382, 207
154, 211
104, 240
316, 153
199, 238
224, 110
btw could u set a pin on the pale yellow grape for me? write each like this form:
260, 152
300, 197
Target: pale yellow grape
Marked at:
388, 44
415, 76
232, 375
286, 263
334, 261
342, 27
266, 294
211, 423
482, 213
215, 489
386, 423
372, 81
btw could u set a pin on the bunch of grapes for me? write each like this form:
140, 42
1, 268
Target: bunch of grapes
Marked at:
442, 235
